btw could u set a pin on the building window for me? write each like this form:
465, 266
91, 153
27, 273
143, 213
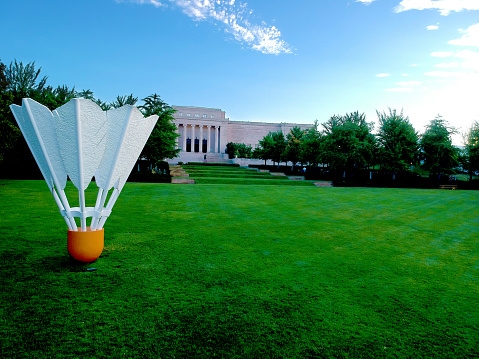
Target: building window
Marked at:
196, 115
181, 113
204, 116
188, 114
212, 116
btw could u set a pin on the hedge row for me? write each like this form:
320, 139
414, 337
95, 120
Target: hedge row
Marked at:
212, 164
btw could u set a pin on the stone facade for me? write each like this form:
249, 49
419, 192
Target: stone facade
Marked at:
204, 133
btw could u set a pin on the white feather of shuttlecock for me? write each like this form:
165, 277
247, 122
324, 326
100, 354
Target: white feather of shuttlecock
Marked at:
79, 140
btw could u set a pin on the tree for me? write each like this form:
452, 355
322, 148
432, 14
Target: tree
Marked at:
472, 149
18, 81
398, 142
231, 149
105, 106
260, 153
348, 145
279, 147
87, 94
273, 146
293, 145
244, 150
238, 150
126, 100
9, 132
310, 150
22, 80
162, 141
53, 97
438, 153
265, 149
3, 78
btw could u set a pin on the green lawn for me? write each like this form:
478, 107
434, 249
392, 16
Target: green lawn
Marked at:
232, 271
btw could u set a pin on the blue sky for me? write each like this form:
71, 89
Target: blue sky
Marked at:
275, 61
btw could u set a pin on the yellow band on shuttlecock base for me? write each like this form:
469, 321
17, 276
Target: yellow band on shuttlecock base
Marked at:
85, 246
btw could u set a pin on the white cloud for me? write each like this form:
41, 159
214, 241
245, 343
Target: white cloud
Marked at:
443, 6
442, 53
471, 59
399, 89
449, 65
414, 65
367, 2
155, 3
442, 74
432, 27
382, 75
470, 37
234, 18
405, 75
409, 83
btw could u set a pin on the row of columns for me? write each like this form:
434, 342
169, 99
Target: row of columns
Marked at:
184, 137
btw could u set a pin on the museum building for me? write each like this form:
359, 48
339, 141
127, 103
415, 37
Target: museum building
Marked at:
204, 133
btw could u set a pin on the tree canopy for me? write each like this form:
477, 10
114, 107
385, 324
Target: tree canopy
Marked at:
22, 79
310, 150
162, 141
472, 149
397, 142
294, 140
273, 145
437, 152
240, 150
348, 145
9, 132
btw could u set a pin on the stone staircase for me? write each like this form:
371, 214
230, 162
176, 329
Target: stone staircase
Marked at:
178, 175
216, 158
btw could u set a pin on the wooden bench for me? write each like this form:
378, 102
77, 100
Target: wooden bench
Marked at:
448, 186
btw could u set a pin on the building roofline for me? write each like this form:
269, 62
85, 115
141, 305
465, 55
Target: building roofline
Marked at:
207, 108
273, 123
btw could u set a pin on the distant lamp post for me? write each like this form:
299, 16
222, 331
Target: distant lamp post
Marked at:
79, 140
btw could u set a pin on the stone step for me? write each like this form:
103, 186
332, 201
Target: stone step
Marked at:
183, 180
296, 178
323, 184
216, 158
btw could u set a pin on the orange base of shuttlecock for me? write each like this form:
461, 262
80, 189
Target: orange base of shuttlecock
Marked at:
85, 246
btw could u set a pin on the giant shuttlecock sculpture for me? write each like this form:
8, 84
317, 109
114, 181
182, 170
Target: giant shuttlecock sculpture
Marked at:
80, 141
